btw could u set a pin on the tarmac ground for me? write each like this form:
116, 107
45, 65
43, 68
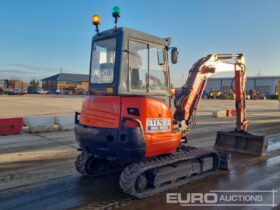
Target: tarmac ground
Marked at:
37, 170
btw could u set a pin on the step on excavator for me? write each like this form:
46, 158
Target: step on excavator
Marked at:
128, 123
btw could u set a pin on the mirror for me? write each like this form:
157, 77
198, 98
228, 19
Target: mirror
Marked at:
161, 56
174, 55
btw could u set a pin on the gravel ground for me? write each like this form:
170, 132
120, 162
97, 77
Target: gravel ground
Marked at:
30, 105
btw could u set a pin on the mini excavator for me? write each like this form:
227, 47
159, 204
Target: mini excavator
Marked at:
128, 122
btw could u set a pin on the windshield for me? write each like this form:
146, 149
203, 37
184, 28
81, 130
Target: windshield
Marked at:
103, 61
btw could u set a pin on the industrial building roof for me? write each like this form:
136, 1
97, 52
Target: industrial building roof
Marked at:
67, 77
249, 77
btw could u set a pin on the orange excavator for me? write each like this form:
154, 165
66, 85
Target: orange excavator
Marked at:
127, 123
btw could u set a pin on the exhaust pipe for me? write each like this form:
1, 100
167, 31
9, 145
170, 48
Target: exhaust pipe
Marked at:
241, 142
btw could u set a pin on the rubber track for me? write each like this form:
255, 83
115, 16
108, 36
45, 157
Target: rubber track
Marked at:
131, 172
81, 166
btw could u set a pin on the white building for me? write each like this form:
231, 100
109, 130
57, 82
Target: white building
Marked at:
267, 85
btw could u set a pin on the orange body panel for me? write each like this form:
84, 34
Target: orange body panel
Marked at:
101, 111
107, 111
157, 142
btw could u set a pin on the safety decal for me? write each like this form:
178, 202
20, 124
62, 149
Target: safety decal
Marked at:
158, 124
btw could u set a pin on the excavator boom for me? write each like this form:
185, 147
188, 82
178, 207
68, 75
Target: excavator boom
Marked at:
186, 103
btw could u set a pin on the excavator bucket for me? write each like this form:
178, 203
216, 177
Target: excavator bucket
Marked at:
240, 142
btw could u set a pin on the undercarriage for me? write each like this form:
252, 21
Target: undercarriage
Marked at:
91, 166
150, 176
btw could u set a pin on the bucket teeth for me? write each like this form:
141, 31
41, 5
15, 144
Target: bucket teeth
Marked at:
240, 142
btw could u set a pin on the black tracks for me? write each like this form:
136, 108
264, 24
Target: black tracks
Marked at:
131, 172
90, 166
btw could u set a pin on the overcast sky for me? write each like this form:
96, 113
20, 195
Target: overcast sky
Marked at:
39, 37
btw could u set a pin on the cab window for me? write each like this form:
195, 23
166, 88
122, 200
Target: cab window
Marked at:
157, 70
138, 65
147, 67
103, 61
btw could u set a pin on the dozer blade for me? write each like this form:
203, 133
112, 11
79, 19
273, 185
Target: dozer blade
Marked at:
240, 142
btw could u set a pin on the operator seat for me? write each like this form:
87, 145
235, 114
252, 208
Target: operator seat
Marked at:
135, 81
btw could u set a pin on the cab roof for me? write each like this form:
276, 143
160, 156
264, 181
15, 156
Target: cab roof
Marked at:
127, 32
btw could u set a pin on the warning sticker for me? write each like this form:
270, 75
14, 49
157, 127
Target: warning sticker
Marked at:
158, 124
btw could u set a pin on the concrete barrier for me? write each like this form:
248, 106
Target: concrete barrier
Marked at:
65, 123
39, 123
220, 113
10, 126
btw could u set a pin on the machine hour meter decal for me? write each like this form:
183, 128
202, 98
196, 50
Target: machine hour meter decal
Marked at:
158, 124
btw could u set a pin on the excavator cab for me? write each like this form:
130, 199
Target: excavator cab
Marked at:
128, 62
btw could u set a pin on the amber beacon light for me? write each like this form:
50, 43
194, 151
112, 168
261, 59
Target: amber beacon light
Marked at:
96, 21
